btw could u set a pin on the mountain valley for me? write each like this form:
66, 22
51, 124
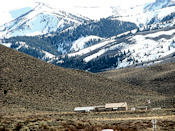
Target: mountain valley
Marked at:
56, 65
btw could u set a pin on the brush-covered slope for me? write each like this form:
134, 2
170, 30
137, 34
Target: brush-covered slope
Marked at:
29, 83
159, 78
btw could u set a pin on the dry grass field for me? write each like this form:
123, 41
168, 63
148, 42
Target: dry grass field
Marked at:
119, 121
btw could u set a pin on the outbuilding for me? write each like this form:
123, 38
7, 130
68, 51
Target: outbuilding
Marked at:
122, 106
84, 109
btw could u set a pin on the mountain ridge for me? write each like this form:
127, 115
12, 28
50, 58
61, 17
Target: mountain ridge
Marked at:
42, 19
108, 43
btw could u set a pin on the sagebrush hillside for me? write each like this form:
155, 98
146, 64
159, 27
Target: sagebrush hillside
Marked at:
27, 83
159, 78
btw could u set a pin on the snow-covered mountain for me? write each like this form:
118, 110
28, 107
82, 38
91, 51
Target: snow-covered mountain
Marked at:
138, 36
44, 19
41, 20
131, 48
159, 4
74, 38
152, 14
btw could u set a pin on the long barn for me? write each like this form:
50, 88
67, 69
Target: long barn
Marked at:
122, 106
117, 106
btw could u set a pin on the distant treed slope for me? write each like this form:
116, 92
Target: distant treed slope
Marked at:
127, 50
103, 28
63, 42
32, 84
132, 48
33, 42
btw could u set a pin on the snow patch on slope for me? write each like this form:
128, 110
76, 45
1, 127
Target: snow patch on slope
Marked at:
81, 42
48, 55
153, 35
89, 49
21, 44
6, 44
94, 56
144, 48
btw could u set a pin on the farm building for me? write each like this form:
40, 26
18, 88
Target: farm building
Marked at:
116, 106
100, 108
90, 108
84, 109
107, 107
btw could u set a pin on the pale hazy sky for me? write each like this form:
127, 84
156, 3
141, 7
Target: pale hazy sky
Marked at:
91, 8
